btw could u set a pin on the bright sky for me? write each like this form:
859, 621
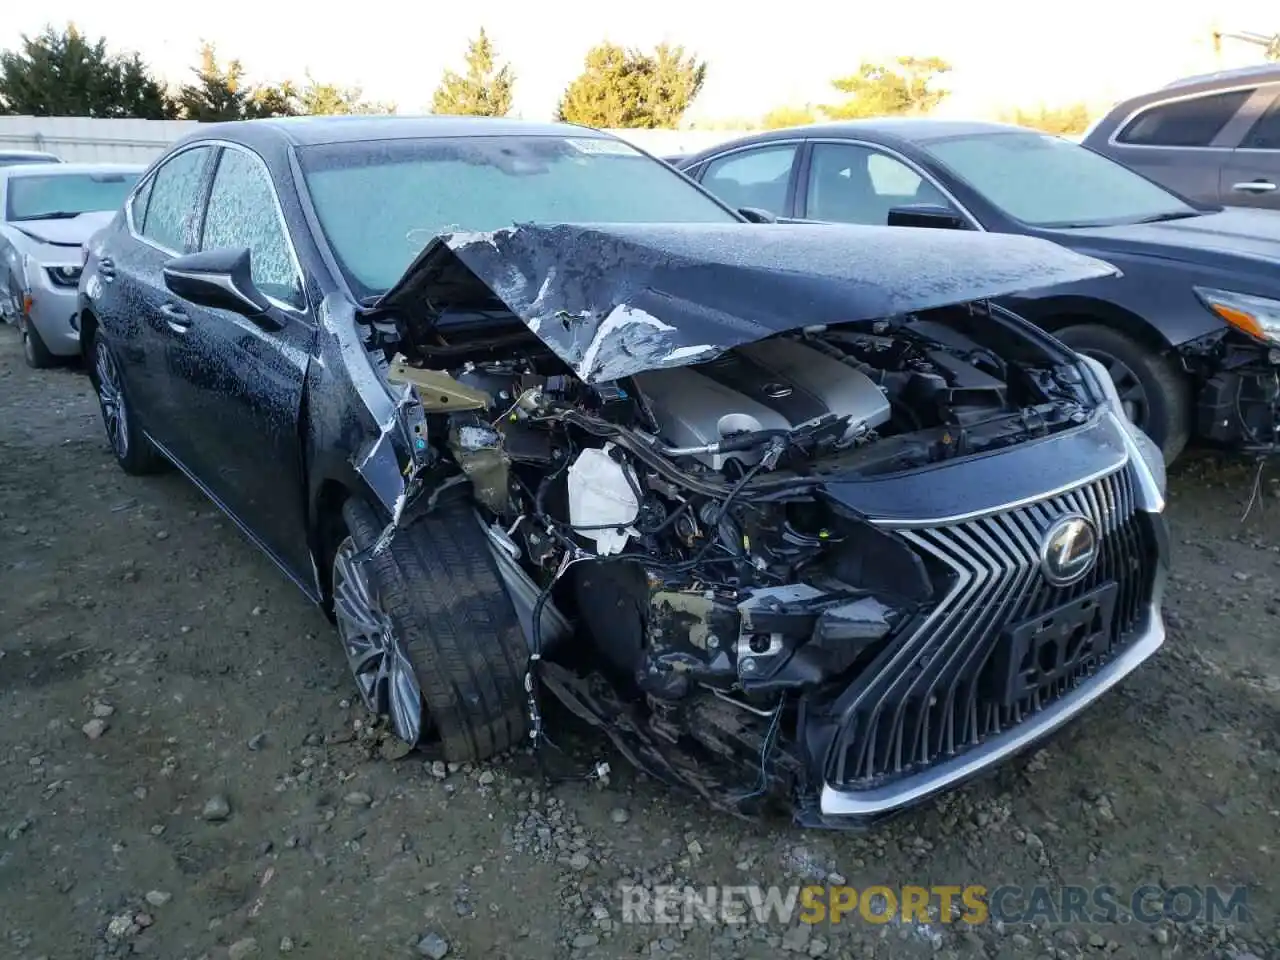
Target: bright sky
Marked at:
1005, 52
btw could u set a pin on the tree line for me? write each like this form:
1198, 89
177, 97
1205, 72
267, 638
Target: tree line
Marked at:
64, 73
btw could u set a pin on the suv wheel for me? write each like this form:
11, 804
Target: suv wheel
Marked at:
1156, 394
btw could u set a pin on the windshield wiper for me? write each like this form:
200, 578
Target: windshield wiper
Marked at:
1172, 215
51, 215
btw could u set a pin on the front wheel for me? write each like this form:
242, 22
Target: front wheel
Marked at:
429, 632
1155, 393
34, 350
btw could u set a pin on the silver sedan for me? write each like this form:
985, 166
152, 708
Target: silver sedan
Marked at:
47, 212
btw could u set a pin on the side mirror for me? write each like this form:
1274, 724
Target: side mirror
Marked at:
927, 215
217, 278
756, 215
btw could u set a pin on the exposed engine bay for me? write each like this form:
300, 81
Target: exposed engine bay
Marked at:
677, 516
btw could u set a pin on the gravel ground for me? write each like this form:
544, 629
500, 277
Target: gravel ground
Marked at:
184, 775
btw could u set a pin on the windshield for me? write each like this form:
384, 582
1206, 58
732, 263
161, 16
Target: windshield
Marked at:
65, 195
1045, 181
379, 203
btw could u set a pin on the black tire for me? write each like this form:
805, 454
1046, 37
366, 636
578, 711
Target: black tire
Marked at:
438, 584
137, 456
34, 350
1167, 418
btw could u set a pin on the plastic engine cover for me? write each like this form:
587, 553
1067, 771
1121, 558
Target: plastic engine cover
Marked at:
770, 385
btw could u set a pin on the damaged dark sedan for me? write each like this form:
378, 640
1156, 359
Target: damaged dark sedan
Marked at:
796, 515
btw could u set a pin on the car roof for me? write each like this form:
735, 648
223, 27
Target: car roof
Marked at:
893, 131
65, 169
308, 131
1255, 73
39, 155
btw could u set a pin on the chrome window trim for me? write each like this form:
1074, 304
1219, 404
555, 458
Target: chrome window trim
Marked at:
918, 170
275, 197
1257, 88
706, 161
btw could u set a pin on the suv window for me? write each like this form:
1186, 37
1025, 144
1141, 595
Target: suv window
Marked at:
1192, 122
849, 183
753, 178
1265, 134
175, 201
243, 213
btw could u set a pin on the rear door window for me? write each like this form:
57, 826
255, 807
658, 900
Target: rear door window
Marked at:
753, 178
174, 208
1265, 134
1189, 122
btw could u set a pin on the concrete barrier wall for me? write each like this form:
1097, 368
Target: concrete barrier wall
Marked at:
131, 141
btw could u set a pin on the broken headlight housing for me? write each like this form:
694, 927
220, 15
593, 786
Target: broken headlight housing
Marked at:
1259, 317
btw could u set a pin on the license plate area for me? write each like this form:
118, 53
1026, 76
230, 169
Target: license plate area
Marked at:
1039, 652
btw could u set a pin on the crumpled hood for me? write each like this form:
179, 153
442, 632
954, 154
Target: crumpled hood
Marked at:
615, 300
71, 232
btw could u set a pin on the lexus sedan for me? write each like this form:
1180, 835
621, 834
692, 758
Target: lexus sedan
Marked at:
795, 514
47, 212
1190, 332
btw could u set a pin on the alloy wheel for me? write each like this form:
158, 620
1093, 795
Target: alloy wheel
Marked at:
375, 652
1133, 395
111, 399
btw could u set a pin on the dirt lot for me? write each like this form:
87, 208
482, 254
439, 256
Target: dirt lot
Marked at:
226, 803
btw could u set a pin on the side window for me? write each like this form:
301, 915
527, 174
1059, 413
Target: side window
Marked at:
242, 213
138, 205
1265, 134
174, 206
849, 183
1193, 122
753, 178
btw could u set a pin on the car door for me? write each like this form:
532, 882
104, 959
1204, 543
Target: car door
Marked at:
1183, 142
760, 176
845, 182
130, 294
1251, 177
239, 381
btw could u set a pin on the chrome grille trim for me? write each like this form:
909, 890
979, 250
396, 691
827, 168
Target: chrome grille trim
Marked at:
923, 702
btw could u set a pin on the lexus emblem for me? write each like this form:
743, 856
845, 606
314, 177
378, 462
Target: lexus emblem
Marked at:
776, 391
1068, 550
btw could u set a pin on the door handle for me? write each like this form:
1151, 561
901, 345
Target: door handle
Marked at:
175, 317
1254, 186
107, 269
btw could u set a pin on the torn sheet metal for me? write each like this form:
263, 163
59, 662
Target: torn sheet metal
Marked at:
615, 300
380, 462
